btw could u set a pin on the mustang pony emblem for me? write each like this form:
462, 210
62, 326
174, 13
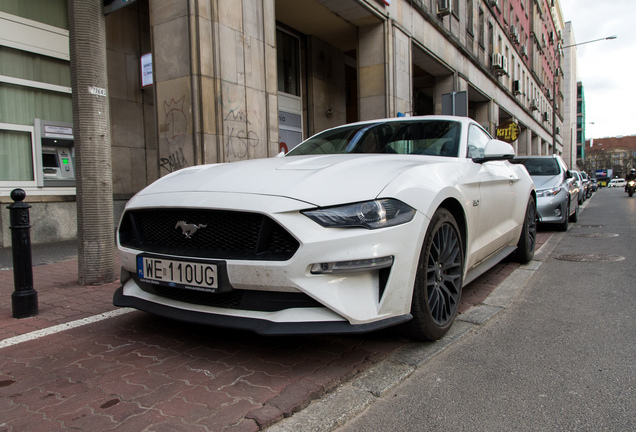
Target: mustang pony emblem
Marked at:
188, 229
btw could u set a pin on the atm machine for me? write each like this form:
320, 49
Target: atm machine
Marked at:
54, 153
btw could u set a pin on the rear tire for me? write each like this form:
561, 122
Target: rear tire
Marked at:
528, 239
438, 283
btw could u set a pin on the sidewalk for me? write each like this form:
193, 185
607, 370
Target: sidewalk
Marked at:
136, 370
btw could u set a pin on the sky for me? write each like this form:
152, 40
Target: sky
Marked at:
607, 68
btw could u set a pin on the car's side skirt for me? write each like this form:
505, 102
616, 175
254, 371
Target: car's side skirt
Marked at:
487, 264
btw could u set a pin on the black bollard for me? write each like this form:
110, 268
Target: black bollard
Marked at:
24, 300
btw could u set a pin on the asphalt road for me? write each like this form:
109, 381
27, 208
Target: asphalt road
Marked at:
562, 357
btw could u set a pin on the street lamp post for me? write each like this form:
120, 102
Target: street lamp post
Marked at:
554, 78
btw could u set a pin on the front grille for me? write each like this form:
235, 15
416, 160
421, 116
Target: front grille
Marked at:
263, 301
218, 234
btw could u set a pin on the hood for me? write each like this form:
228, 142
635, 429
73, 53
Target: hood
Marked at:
317, 180
547, 182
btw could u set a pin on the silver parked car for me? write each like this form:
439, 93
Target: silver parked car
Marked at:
587, 184
557, 190
578, 179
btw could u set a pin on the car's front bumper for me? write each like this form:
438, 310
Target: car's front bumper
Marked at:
553, 209
350, 302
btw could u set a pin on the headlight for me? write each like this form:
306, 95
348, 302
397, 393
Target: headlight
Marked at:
548, 192
370, 214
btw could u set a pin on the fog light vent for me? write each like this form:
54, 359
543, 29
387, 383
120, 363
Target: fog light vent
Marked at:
352, 266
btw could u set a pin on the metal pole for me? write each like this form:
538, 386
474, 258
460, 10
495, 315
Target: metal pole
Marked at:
24, 300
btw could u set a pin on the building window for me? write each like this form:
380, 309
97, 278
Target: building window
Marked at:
16, 155
35, 82
481, 37
470, 25
288, 53
51, 12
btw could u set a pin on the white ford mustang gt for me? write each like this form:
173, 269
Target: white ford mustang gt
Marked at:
358, 228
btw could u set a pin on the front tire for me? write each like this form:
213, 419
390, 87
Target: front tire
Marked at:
528, 239
575, 216
438, 282
563, 226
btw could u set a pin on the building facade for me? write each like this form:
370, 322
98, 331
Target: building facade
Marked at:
243, 79
580, 124
617, 154
570, 78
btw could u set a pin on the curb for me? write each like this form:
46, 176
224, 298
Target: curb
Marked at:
352, 398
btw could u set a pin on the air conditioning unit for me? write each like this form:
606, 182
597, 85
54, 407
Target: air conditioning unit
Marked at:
504, 65
443, 7
534, 104
514, 33
497, 61
493, 3
516, 87
524, 50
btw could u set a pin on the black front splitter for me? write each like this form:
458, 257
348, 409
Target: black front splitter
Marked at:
259, 326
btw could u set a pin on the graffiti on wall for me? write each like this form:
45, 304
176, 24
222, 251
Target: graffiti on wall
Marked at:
241, 140
238, 140
175, 161
174, 129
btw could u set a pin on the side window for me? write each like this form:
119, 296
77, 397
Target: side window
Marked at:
477, 140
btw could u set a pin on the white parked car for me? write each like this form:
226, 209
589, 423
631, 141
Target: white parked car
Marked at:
620, 182
360, 227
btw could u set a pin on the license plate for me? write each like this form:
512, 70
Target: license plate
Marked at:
199, 276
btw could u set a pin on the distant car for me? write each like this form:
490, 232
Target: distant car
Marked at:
557, 191
358, 228
620, 182
594, 185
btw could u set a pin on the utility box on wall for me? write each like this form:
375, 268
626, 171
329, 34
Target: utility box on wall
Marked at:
54, 154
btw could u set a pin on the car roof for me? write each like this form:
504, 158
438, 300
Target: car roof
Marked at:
460, 119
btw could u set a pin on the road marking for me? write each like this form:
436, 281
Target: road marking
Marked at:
62, 327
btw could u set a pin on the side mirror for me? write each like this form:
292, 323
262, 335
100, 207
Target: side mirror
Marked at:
496, 150
568, 174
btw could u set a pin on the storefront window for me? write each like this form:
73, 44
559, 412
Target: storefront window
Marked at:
51, 12
34, 67
16, 157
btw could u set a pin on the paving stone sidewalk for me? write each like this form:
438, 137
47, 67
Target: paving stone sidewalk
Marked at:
137, 372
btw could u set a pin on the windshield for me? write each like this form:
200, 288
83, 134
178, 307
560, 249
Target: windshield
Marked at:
539, 166
427, 137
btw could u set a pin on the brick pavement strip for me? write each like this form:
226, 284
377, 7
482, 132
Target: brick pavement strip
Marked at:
140, 372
